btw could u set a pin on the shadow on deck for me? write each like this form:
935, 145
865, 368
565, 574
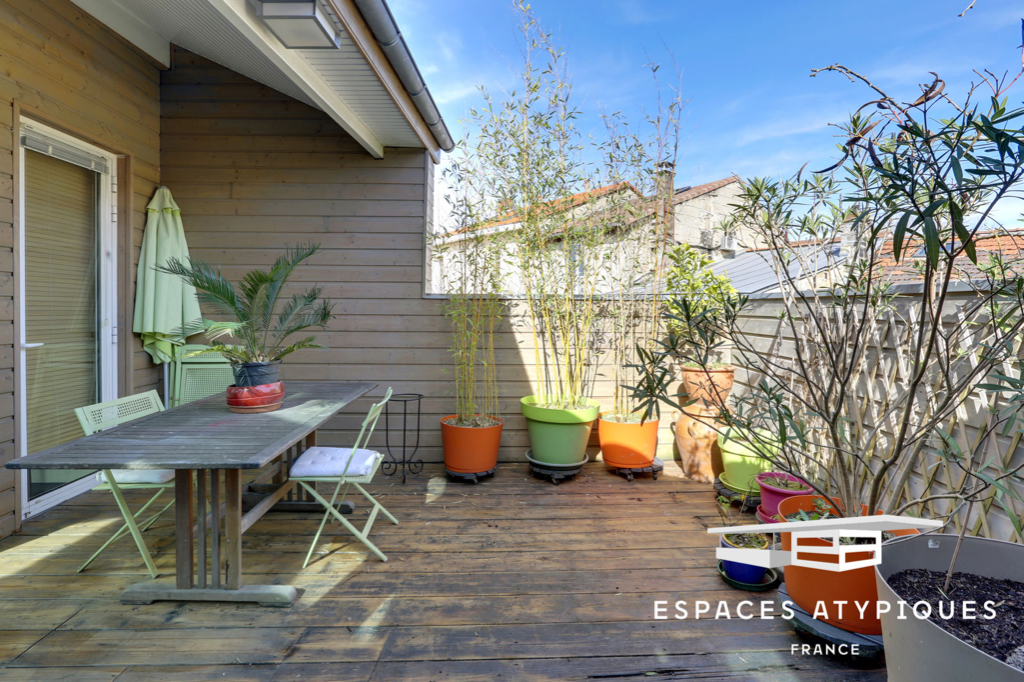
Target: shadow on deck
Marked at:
509, 579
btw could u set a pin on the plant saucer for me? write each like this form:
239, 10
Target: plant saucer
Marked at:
772, 579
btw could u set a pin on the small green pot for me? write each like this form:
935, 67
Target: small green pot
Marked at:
558, 436
741, 459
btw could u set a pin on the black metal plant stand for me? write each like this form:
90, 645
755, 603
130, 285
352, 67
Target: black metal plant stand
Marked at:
414, 466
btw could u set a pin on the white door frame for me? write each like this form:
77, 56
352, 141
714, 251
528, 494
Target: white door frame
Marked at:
107, 333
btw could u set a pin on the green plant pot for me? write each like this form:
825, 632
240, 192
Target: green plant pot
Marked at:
741, 461
558, 436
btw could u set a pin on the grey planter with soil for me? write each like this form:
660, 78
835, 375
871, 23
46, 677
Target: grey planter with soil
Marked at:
921, 651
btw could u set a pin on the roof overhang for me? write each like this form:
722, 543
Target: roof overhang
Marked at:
356, 85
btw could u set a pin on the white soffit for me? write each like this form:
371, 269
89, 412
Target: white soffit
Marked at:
338, 82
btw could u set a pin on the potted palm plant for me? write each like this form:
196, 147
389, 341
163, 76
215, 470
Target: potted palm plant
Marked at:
258, 319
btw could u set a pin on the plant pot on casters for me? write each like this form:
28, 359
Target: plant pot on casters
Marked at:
558, 437
471, 449
742, 458
919, 650
627, 444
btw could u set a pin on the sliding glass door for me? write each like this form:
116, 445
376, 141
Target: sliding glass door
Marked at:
67, 334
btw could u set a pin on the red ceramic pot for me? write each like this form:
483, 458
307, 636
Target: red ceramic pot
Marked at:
262, 398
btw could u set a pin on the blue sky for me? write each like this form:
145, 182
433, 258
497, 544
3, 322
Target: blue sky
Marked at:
753, 109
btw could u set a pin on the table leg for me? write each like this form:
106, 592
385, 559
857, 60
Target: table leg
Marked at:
215, 529
183, 520
201, 531
233, 590
233, 527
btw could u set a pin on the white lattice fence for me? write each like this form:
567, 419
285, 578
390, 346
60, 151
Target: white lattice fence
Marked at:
886, 371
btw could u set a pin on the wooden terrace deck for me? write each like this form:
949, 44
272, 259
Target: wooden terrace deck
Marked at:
510, 579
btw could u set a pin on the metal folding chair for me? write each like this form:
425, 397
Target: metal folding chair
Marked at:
198, 376
111, 413
332, 465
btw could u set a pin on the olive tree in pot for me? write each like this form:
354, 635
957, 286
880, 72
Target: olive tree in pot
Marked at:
258, 320
696, 300
859, 377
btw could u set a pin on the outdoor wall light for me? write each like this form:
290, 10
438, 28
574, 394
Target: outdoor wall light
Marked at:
298, 24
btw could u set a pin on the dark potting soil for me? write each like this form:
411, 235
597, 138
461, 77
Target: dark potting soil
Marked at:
998, 637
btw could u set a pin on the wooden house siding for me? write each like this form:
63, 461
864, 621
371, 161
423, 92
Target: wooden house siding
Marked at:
254, 170
61, 67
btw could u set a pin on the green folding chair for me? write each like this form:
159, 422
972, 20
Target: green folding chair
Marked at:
199, 376
111, 413
353, 466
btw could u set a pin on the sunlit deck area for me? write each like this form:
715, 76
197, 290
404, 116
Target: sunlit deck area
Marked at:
509, 579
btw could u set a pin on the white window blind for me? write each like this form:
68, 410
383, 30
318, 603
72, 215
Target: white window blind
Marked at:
61, 246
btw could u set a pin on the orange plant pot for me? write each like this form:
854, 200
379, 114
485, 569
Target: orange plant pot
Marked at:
470, 450
709, 388
808, 587
628, 446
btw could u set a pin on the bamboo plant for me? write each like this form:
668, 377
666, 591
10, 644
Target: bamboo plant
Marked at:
528, 158
471, 279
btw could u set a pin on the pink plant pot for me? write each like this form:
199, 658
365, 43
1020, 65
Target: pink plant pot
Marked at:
771, 495
764, 518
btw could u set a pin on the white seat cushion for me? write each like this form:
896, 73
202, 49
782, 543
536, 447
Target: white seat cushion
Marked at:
139, 476
320, 461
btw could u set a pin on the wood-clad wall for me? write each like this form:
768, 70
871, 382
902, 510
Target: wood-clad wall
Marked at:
63, 68
254, 170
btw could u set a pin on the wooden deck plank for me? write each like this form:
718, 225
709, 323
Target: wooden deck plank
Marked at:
536, 585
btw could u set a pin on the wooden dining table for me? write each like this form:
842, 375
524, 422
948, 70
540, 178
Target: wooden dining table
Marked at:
208, 447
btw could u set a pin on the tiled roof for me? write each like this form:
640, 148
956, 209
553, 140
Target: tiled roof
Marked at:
689, 193
1008, 245
564, 204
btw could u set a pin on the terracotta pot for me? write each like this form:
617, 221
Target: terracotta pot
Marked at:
772, 495
696, 441
710, 388
628, 446
470, 449
809, 586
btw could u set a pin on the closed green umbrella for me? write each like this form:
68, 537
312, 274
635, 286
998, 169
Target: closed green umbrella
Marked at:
164, 303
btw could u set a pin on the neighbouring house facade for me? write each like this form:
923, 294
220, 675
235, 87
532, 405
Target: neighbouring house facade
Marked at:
698, 213
103, 101
622, 214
